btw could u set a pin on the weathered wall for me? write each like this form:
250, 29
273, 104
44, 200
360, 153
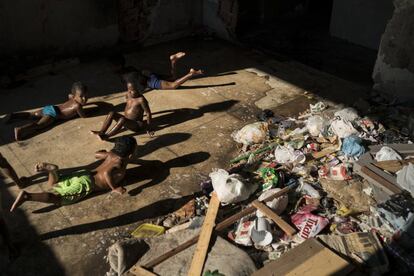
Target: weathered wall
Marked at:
360, 21
57, 26
220, 17
394, 68
54, 27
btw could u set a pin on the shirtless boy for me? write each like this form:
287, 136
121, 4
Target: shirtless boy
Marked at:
136, 106
74, 187
49, 114
155, 81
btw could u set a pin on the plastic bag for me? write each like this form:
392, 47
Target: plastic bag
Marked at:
386, 154
348, 114
285, 155
352, 146
342, 128
315, 125
309, 224
230, 187
251, 134
405, 178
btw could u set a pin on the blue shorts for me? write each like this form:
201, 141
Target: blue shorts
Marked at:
50, 110
154, 82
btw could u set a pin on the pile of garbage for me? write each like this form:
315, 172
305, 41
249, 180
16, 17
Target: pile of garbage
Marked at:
310, 178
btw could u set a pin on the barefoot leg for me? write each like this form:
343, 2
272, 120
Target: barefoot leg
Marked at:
29, 129
107, 123
177, 83
173, 60
117, 127
38, 197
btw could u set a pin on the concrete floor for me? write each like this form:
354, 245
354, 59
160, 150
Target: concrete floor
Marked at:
193, 136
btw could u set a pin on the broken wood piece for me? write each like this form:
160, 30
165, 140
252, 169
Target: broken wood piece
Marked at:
289, 230
220, 226
307, 259
140, 271
203, 243
393, 166
381, 180
324, 152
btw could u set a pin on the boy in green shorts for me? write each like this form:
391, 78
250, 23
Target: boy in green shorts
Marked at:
76, 186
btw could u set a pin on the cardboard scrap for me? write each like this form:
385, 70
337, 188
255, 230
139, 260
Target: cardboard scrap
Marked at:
362, 248
307, 259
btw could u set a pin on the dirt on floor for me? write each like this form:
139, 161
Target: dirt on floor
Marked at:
193, 127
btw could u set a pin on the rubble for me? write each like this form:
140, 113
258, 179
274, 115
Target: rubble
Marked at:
328, 175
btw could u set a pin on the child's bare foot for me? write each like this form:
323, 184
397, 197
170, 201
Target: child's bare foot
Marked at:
20, 199
177, 56
196, 72
45, 167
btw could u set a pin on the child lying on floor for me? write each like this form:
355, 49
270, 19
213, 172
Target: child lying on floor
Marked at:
50, 113
76, 186
152, 80
136, 106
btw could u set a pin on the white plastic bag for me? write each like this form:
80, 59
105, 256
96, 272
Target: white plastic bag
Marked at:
405, 178
251, 134
284, 155
315, 125
343, 128
230, 187
386, 154
348, 114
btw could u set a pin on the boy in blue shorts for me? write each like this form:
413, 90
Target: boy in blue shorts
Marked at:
152, 80
50, 113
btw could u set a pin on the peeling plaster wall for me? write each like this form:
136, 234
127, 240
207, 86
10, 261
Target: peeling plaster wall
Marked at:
394, 69
56, 26
360, 21
220, 17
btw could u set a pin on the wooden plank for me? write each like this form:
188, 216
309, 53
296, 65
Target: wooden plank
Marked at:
140, 271
289, 230
382, 181
220, 226
307, 259
203, 243
325, 152
393, 166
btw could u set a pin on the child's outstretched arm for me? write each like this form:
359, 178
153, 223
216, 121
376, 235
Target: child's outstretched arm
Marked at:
147, 110
80, 111
109, 181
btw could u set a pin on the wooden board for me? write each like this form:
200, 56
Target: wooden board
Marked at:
393, 166
203, 243
221, 226
307, 259
289, 230
140, 271
325, 152
381, 180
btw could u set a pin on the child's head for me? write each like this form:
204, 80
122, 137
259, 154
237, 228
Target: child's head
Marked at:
134, 82
124, 146
78, 92
117, 62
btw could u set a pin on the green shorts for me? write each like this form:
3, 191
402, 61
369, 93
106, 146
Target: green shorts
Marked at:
74, 187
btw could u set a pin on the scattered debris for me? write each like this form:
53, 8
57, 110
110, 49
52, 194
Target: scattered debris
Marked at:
323, 175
